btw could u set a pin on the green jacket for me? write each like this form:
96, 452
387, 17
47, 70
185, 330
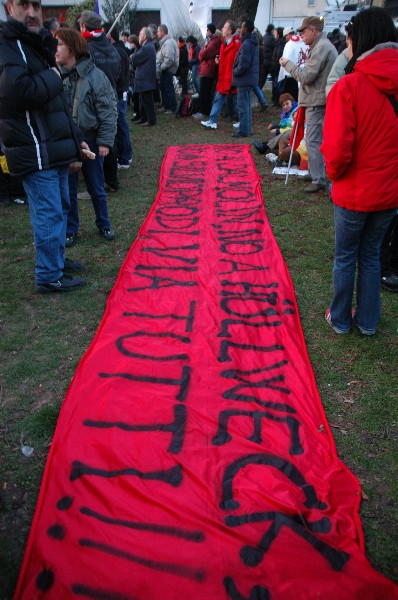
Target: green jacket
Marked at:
95, 108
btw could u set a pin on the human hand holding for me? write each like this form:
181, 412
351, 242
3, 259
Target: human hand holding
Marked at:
103, 150
282, 61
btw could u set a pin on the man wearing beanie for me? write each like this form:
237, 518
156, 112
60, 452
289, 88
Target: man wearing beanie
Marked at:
312, 78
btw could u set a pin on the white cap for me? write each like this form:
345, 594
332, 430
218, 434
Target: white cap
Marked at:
288, 30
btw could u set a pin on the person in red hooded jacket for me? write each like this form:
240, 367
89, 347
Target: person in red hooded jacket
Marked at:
360, 135
208, 71
230, 45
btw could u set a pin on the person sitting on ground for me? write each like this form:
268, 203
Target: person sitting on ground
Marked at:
92, 102
289, 108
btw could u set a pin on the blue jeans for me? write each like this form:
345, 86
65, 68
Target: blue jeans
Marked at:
48, 196
93, 173
122, 140
218, 103
195, 78
245, 109
260, 96
358, 238
167, 89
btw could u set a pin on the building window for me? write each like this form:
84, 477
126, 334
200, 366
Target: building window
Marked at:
311, 2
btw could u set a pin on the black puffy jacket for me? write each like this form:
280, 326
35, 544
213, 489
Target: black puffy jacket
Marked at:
36, 131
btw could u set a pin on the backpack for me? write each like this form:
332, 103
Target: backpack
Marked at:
183, 107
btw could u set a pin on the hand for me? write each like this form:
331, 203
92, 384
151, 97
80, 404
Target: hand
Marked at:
273, 131
282, 61
103, 150
84, 146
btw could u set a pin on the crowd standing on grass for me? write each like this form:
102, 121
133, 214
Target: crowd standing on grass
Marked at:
75, 97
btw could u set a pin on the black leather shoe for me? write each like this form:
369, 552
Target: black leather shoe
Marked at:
390, 282
261, 147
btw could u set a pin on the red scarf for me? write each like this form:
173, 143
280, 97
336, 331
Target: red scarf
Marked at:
89, 34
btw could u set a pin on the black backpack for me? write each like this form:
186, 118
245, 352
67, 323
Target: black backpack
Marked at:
183, 107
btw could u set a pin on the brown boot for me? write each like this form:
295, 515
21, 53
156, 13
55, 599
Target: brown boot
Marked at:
314, 188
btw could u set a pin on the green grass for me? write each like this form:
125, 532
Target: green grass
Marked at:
42, 339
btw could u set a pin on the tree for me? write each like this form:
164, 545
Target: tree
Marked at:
74, 11
112, 8
243, 9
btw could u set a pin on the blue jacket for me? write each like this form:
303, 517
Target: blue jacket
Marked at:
247, 62
144, 61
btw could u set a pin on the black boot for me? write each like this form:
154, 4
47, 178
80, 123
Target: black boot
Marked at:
261, 147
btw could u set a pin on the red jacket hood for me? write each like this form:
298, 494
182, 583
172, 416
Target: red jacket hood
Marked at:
380, 65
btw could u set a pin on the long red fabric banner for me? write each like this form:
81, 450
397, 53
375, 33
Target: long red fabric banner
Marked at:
192, 457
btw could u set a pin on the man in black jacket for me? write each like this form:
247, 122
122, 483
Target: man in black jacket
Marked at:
39, 139
106, 58
123, 147
144, 60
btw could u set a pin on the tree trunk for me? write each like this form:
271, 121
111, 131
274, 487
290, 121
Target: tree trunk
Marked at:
243, 9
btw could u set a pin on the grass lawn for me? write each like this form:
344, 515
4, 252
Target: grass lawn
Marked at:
44, 337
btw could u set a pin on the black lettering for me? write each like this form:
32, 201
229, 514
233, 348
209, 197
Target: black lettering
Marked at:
226, 344
183, 382
177, 532
223, 436
120, 344
284, 466
256, 593
172, 568
176, 428
160, 283
189, 318
171, 476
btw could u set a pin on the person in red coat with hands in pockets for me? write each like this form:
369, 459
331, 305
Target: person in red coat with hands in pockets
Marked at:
208, 70
230, 45
359, 137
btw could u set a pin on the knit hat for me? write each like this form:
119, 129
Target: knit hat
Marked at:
288, 30
317, 22
90, 19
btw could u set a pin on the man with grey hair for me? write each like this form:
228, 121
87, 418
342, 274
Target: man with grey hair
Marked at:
144, 61
312, 78
166, 66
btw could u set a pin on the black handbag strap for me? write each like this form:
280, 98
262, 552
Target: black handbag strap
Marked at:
394, 103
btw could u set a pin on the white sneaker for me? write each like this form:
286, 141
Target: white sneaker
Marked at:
236, 125
196, 95
209, 124
199, 115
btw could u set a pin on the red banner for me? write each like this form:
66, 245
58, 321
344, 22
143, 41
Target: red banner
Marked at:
192, 458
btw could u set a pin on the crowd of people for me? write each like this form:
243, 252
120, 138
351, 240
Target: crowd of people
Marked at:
64, 93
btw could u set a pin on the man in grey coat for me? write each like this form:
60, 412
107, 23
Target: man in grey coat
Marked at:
167, 65
312, 97
245, 76
144, 60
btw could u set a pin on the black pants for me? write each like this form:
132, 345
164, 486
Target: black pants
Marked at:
147, 107
207, 85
